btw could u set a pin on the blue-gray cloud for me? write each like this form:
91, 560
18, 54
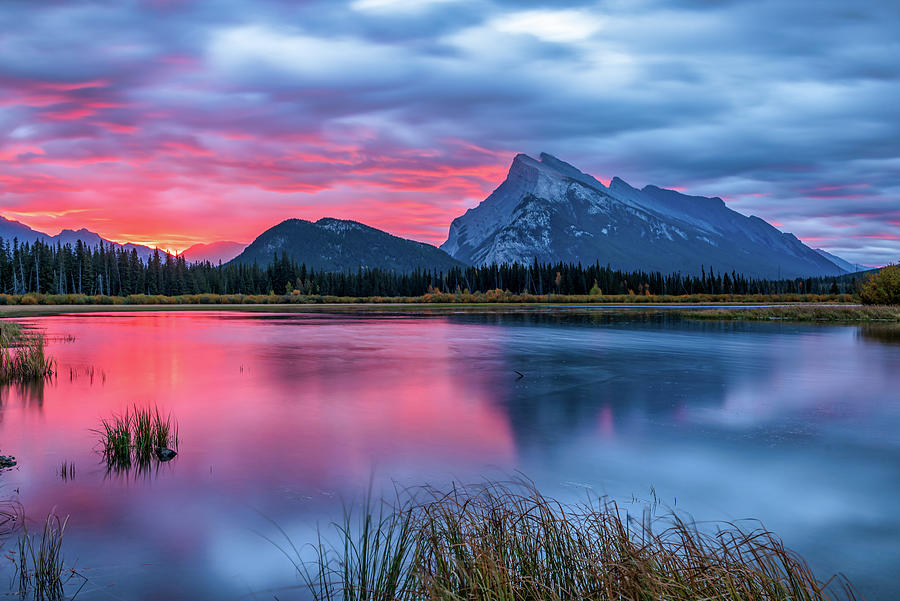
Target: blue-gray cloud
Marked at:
784, 108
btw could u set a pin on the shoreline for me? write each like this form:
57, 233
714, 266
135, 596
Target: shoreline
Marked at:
803, 313
815, 312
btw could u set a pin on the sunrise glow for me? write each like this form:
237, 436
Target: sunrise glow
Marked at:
165, 124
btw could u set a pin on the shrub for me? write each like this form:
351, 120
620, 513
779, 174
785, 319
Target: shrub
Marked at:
883, 287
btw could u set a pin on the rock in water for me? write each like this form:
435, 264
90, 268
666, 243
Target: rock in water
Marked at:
164, 454
6, 462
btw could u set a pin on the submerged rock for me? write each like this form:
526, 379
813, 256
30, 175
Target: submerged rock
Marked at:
6, 462
164, 454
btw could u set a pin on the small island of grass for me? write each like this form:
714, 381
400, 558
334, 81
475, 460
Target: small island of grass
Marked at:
22, 355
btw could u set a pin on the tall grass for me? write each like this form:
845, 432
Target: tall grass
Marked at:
134, 435
510, 543
40, 572
22, 355
115, 439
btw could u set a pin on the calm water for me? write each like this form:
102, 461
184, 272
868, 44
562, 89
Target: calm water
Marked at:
283, 417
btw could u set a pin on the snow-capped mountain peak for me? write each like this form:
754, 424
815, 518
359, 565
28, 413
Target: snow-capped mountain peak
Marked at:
548, 210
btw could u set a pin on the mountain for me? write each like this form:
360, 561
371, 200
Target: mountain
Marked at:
213, 252
338, 245
842, 263
92, 239
550, 211
10, 229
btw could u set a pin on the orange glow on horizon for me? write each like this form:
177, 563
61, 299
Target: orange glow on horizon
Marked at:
175, 195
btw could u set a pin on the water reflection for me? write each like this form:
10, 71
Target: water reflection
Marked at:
29, 393
285, 415
88, 372
887, 333
135, 471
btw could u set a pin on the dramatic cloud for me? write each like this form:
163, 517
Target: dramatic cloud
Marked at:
175, 121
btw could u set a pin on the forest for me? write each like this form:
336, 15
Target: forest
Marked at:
106, 270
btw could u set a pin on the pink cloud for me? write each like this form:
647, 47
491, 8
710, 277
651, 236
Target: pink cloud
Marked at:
173, 191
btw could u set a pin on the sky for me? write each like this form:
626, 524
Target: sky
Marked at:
171, 122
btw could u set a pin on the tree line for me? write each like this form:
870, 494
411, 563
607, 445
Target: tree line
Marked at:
39, 267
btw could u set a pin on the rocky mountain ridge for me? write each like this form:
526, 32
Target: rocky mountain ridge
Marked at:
548, 210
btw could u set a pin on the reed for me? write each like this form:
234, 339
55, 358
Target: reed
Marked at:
151, 431
115, 439
509, 543
39, 562
134, 435
22, 356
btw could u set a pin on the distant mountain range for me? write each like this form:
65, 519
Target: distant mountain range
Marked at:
213, 252
337, 245
10, 230
545, 210
550, 211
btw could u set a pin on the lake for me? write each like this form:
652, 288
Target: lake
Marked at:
284, 417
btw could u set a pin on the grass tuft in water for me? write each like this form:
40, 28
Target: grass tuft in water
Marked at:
115, 438
40, 572
498, 542
133, 436
22, 356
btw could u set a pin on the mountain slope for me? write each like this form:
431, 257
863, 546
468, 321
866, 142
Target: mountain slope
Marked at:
339, 245
10, 229
213, 252
550, 211
842, 263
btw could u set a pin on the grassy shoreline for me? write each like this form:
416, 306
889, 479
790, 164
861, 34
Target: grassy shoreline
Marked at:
489, 297
48, 304
14, 311
799, 313
788, 308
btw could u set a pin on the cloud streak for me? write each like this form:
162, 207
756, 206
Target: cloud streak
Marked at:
181, 122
